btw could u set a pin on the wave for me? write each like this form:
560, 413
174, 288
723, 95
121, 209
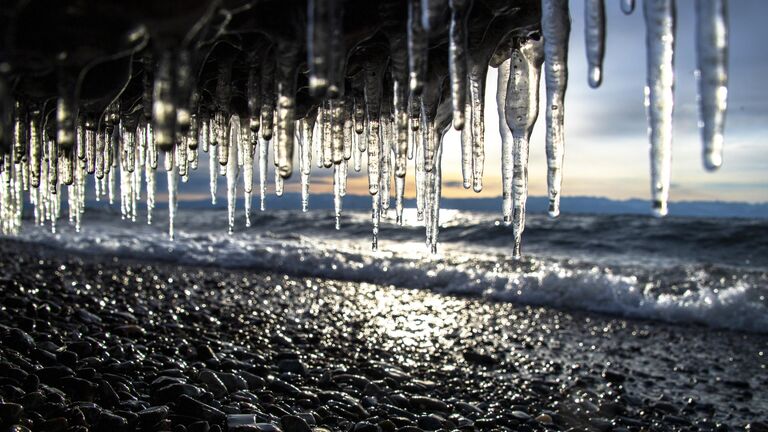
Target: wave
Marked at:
568, 271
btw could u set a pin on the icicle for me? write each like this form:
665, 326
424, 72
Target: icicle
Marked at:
659, 101
400, 125
386, 164
414, 120
433, 191
477, 103
319, 135
399, 192
505, 130
213, 170
326, 140
466, 150
337, 130
556, 27
418, 47
172, 192
279, 184
358, 98
324, 19
305, 131
66, 110
268, 95
357, 154
19, 134
263, 148
373, 76
712, 76
287, 66
100, 149
594, 32
232, 170
149, 176
182, 160
337, 192
348, 129
222, 139
457, 64
247, 161
163, 106
429, 142
205, 133
627, 6
420, 179
521, 109
35, 147
374, 156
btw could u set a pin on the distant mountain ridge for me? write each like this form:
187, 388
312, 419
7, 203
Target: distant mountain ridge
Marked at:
536, 204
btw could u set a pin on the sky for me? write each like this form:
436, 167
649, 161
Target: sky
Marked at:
606, 152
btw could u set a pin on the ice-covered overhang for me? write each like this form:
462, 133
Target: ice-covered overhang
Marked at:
115, 89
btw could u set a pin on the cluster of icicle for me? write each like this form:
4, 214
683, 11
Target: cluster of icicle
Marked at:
385, 126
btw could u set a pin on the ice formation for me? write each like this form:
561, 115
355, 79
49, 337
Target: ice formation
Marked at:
107, 90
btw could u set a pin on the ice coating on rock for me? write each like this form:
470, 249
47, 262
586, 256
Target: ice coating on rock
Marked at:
712, 76
659, 95
594, 32
556, 28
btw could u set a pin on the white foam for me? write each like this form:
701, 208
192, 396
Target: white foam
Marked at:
536, 281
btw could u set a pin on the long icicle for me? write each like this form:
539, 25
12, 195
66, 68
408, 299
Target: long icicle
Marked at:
556, 27
457, 58
594, 32
477, 78
305, 131
659, 92
172, 197
232, 170
263, 149
521, 108
712, 74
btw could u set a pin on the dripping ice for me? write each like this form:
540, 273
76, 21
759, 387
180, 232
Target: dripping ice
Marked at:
377, 111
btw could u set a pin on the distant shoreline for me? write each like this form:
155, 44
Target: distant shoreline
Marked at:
535, 205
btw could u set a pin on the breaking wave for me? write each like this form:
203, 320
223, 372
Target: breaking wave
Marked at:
707, 272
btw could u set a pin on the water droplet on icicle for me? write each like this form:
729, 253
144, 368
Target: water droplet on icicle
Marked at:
594, 32
627, 6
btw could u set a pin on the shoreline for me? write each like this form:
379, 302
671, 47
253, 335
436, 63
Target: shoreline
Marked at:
342, 355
